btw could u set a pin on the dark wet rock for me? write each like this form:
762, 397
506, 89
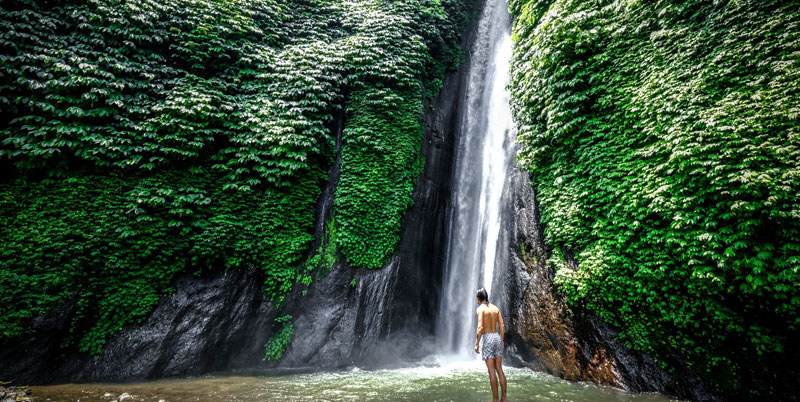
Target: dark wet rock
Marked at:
218, 321
545, 335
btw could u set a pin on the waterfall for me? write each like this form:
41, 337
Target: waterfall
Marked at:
484, 158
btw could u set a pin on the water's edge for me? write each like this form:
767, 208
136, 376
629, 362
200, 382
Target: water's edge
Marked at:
463, 382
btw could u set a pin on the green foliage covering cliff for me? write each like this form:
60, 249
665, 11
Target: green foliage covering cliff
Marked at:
140, 139
663, 139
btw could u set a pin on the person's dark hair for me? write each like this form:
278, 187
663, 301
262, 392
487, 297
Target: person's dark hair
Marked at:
482, 295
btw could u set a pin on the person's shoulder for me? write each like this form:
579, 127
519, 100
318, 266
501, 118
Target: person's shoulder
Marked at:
480, 308
493, 307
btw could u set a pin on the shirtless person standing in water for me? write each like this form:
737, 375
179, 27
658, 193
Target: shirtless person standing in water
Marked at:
490, 342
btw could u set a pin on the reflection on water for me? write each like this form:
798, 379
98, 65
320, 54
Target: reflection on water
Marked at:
457, 382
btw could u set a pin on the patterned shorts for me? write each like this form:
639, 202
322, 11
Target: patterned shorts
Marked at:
490, 346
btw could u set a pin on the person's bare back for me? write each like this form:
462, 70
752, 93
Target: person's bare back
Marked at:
488, 319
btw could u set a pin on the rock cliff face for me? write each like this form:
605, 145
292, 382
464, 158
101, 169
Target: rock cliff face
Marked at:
218, 321
546, 336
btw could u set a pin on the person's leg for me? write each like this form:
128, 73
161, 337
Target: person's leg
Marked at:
498, 365
492, 378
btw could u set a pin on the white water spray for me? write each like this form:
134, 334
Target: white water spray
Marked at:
482, 167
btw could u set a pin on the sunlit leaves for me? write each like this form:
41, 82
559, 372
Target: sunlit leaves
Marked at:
380, 164
174, 136
663, 140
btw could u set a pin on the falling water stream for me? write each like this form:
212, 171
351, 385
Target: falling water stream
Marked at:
483, 161
474, 254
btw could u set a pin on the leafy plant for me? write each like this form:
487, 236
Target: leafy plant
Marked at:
148, 138
662, 139
280, 341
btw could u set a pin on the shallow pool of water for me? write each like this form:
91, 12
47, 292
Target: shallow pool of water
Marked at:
457, 382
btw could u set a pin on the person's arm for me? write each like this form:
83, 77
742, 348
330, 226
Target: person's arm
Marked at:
480, 329
502, 329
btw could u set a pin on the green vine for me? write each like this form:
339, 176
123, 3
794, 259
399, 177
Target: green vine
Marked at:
148, 138
277, 345
662, 138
